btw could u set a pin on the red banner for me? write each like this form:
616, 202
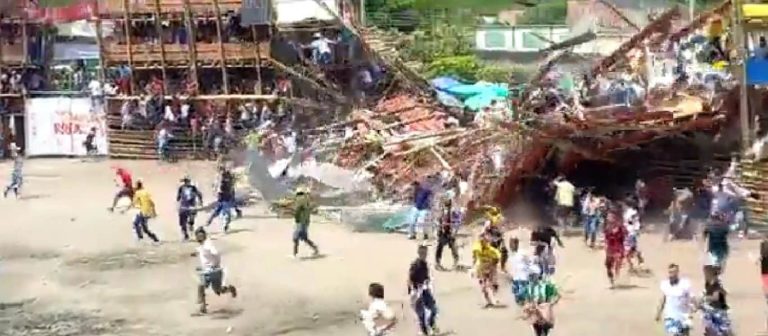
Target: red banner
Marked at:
78, 10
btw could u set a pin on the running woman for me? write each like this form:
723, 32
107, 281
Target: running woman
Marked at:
142, 201
17, 179
446, 234
540, 297
123, 179
188, 198
420, 291
485, 259
714, 305
615, 235
210, 271
675, 306
379, 318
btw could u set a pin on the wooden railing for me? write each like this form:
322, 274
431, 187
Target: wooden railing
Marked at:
115, 7
179, 53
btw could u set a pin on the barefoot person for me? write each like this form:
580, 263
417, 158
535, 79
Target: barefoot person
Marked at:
210, 271
188, 198
124, 180
17, 179
420, 291
301, 215
615, 235
675, 306
485, 259
541, 295
142, 201
379, 318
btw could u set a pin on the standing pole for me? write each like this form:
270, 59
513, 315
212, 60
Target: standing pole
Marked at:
223, 63
739, 36
129, 50
189, 21
691, 9
159, 30
100, 45
24, 41
258, 59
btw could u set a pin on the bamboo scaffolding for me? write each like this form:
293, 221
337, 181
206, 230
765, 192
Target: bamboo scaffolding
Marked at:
191, 41
127, 27
159, 31
223, 60
204, 97
258, 58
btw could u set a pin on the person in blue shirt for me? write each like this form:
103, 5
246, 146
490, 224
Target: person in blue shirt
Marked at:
226, 198
16, 177
422, 203
188, 198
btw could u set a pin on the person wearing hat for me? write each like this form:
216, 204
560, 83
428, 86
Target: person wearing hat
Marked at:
321, 49
16, 177
188, 198
302, 212
226, 197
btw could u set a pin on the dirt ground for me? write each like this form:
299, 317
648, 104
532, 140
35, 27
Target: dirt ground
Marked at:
70, 267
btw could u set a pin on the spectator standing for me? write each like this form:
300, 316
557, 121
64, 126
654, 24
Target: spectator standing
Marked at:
97, 95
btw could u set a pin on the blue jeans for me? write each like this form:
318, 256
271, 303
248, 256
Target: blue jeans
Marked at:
15, 185
417, 218
426, 302
222, 207
591, 223
140, 227
518, 290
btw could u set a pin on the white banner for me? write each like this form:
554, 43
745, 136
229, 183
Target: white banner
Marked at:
59, 125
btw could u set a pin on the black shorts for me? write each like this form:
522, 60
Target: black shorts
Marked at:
125, 192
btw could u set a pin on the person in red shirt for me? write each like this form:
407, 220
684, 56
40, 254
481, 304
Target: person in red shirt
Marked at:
615, 234
125, 181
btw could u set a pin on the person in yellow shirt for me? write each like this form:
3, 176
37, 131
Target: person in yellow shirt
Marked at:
486, 262
142, 201
715, 32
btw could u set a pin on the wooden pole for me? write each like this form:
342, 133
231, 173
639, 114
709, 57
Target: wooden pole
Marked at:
24, 41
742, 47
191, 40
127, 28
159, 30
258, 59
223, 63
100, 46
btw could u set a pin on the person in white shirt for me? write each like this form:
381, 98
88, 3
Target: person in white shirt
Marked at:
520, 265
379, 318
321, 49
169, 116
210, 270
97, 94
632, 223
564, 199
676, 303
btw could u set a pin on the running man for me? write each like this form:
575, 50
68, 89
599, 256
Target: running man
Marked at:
142, 201
485, 259
301, 215
225, 201
188, 198
379, 318
446, 234
632, 223
420, 291
714, 305
210, 271
540, 297
17, 179
123, 179
493, 231
541, 239
716, 235
521, 266
615, 235
675, 306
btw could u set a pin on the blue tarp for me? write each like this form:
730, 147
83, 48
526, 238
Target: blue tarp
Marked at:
757, 71
451, 92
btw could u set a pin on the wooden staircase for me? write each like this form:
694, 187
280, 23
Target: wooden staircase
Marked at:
141, 144
754, 176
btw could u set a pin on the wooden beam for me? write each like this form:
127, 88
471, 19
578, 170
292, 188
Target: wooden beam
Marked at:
618, 13
258, 59
127, 27
191, 42
100, 44
159, 30
339, 97
24, 39
223, 60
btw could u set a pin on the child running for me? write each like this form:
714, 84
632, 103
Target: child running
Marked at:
541, 295
16, 177
210, 270
379, 318
485, 259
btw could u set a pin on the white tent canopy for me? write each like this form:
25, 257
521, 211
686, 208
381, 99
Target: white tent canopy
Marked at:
293, 11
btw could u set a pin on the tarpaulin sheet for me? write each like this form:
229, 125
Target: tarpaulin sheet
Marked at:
468, 90
444, 83
480, 101
757, 71
448, 100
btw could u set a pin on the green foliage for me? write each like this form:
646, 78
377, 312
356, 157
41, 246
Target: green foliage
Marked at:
553, 12
438, 42
464, 67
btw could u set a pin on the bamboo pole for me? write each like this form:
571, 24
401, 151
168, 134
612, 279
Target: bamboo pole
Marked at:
127, 27
223, 64
159, 30
258, 59
24, 41
191, 41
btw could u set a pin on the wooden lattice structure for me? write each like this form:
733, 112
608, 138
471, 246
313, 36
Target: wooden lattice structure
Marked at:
148, 40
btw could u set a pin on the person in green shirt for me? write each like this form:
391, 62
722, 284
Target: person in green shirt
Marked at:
541, 295
302, 212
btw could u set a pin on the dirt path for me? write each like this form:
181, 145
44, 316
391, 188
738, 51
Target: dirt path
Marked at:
69, 267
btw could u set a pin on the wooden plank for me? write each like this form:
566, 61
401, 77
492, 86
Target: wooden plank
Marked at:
159, 32
129, 51
222, 59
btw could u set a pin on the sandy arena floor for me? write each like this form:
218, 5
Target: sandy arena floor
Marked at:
69, 267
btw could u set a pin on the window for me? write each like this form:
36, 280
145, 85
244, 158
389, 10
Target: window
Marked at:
495, 39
